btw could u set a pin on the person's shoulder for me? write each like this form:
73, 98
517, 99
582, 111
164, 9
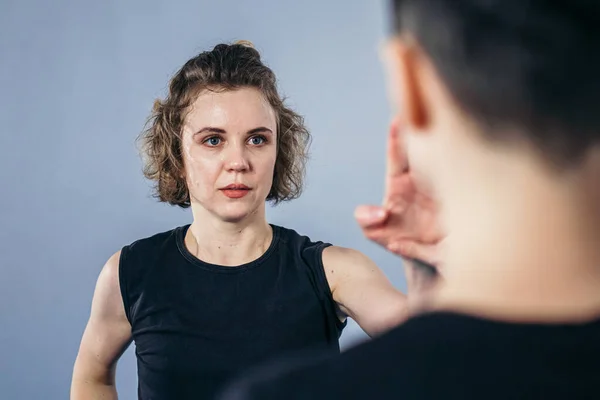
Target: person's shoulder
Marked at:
433, 355
135, 255
386, 366
379, 367
346, 256
294, 238
155, 240
137, 259
291, 234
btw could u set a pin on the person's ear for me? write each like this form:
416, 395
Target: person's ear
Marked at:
404, 62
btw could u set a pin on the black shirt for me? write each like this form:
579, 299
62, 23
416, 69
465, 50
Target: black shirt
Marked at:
195, 324
444, 356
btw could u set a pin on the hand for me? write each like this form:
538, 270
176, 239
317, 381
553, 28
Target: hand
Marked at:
407, 223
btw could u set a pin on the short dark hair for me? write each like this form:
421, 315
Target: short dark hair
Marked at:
225, 67
529, 67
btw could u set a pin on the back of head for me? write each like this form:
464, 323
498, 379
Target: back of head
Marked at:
525, 66
225, 67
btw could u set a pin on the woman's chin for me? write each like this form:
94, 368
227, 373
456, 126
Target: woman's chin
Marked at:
237, 213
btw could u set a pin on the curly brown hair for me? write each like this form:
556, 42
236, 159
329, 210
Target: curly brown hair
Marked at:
225, 67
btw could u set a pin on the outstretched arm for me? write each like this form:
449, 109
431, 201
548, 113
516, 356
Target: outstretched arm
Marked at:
362, 291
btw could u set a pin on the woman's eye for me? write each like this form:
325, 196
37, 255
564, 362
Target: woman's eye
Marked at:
257, 140
213, 141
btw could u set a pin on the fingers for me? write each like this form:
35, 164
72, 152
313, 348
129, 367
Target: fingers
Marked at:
410, 249
397, 159
368, 216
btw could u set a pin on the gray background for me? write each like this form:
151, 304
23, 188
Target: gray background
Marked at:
77, 80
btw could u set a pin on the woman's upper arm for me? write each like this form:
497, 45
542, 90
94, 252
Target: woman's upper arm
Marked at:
108, 331
362, 291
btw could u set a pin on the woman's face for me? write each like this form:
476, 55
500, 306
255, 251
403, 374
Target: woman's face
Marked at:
229, 151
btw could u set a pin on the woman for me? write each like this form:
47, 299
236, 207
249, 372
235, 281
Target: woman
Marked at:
206, 300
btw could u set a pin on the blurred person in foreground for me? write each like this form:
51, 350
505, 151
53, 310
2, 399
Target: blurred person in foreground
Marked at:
499, 127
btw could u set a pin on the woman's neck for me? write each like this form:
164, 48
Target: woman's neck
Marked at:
215, 241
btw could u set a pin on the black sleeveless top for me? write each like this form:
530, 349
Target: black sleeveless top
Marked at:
195, 325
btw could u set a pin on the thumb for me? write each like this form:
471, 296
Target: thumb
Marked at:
368, 216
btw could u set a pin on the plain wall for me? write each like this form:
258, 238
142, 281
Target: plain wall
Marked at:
77, 81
